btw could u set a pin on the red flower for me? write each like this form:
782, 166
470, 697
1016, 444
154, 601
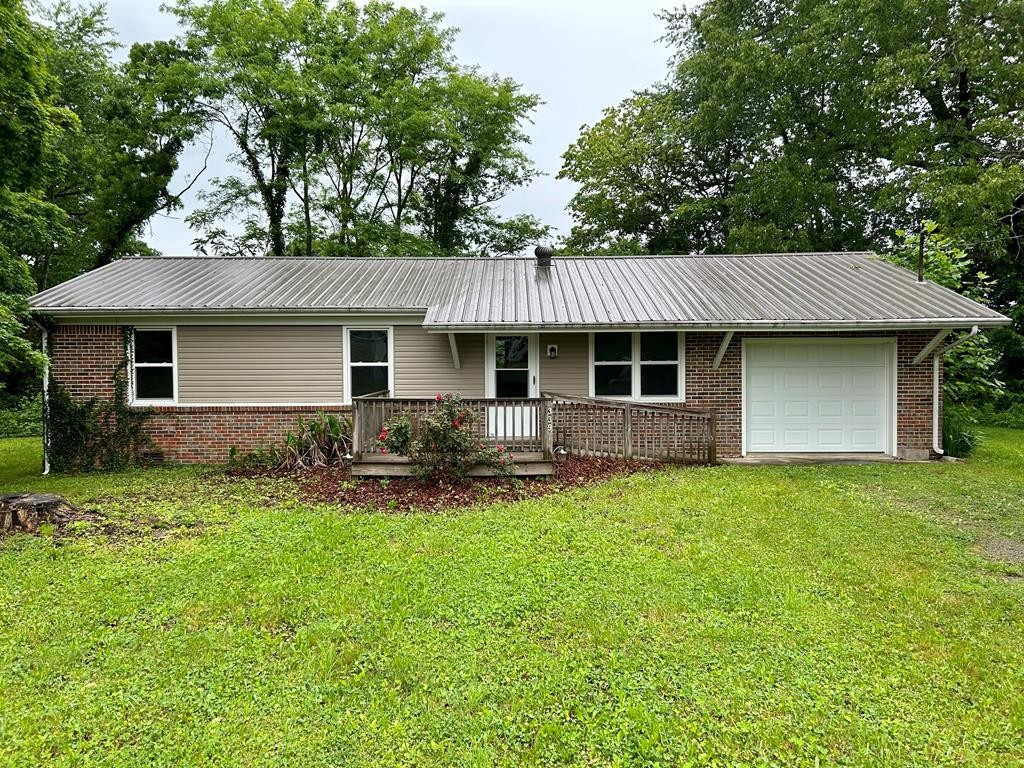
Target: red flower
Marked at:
501, 448
384, 450
440, 397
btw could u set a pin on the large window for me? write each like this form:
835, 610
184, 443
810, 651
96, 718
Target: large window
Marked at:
639, 365
153, 358
369, 361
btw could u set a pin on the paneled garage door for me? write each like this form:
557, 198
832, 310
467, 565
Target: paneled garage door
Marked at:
818, 396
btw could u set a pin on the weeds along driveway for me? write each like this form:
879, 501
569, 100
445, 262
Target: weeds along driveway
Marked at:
782, 615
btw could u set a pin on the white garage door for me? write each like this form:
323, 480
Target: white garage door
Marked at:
817, 396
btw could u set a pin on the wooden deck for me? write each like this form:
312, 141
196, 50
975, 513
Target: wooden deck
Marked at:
533, 428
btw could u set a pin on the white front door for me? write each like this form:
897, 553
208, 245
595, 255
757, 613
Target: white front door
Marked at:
818, 396
512, 362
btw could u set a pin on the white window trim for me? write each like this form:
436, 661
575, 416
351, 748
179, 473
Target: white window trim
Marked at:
532, 363
346, 377
173, 365
636, 364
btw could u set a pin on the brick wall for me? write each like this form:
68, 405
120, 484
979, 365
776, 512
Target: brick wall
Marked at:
720, 389
84, 358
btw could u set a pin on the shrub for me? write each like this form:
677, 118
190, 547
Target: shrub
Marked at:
24, 418
322, 441
446, 447
95, 434
960, 434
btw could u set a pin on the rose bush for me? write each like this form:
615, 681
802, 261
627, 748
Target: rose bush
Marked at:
446, 446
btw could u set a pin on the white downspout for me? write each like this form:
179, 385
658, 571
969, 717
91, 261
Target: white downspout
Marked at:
46, 403
936, 433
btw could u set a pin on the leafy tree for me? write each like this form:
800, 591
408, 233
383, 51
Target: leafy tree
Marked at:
356, 131
817, 125
31, 125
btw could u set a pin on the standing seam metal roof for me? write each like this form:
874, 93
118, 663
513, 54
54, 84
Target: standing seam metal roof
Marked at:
463, 294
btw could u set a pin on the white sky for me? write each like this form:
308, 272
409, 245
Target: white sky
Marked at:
578, 56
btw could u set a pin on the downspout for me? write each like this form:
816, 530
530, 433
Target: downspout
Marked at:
936, 394
46, 398
936, 433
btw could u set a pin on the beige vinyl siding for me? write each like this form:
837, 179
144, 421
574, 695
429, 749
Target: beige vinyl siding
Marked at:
259, 364
567, 374
423, 363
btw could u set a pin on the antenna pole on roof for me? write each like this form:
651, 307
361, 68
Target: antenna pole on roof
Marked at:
920, 256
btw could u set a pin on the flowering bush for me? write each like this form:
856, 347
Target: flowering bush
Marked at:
396, 435
446, 447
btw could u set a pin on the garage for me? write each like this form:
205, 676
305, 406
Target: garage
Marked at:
818, 395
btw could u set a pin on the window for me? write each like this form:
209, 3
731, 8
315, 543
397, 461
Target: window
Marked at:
369, 361
153, 358
639, 365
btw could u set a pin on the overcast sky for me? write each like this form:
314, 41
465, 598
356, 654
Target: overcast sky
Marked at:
579, 56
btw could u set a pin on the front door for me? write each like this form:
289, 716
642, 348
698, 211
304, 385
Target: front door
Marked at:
512, 365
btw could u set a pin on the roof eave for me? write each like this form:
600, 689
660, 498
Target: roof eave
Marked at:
768, 325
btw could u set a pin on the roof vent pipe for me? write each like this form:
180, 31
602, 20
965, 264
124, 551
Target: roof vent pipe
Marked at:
544, 255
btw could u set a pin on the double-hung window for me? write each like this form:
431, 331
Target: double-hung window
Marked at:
639, 365
154, 379
369, 361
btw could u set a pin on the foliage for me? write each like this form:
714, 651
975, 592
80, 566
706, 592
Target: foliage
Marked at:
445, 447
356, 132
22, 418
396, 436
95, 434
970, 368
723, 616
318, 442
814, 126
960, 433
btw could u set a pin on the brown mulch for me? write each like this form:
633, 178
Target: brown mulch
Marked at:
334, 485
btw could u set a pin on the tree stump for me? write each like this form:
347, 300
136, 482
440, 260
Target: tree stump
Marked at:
27, 511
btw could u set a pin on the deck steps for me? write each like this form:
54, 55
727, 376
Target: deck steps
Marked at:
377, 465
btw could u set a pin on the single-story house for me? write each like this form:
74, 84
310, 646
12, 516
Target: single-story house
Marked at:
794, 353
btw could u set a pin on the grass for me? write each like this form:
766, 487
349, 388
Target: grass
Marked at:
723, 616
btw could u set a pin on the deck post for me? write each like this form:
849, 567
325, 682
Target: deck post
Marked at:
627, 431
546, 430
713, 437
357, 428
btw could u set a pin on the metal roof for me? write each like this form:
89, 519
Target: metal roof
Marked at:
763, 290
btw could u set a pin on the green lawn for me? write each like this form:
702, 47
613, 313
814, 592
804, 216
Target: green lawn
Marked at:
724, 616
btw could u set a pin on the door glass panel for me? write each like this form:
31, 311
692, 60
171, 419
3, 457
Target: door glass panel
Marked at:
511, 352
512, 382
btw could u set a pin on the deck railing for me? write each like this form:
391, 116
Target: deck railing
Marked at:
519, 425
594, 427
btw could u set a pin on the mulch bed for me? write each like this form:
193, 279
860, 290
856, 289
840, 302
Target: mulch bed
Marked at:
334, 485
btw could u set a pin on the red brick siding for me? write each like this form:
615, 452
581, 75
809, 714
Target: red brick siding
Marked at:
85, 357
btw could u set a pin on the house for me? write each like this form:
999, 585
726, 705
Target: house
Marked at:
794, 353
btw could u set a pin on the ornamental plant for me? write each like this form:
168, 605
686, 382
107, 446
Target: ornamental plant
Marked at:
446, 447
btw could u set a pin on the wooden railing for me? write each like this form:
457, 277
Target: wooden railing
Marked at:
580, 425
519, 425
593, 427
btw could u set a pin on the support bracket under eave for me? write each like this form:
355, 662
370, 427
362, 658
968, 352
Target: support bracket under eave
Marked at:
722, 349
932, 345
455, 350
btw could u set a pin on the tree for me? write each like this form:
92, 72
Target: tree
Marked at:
356, 131
815, 125
31, 125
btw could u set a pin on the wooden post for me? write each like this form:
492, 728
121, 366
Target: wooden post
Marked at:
546, 429
357, 428
712, 438
627, 431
